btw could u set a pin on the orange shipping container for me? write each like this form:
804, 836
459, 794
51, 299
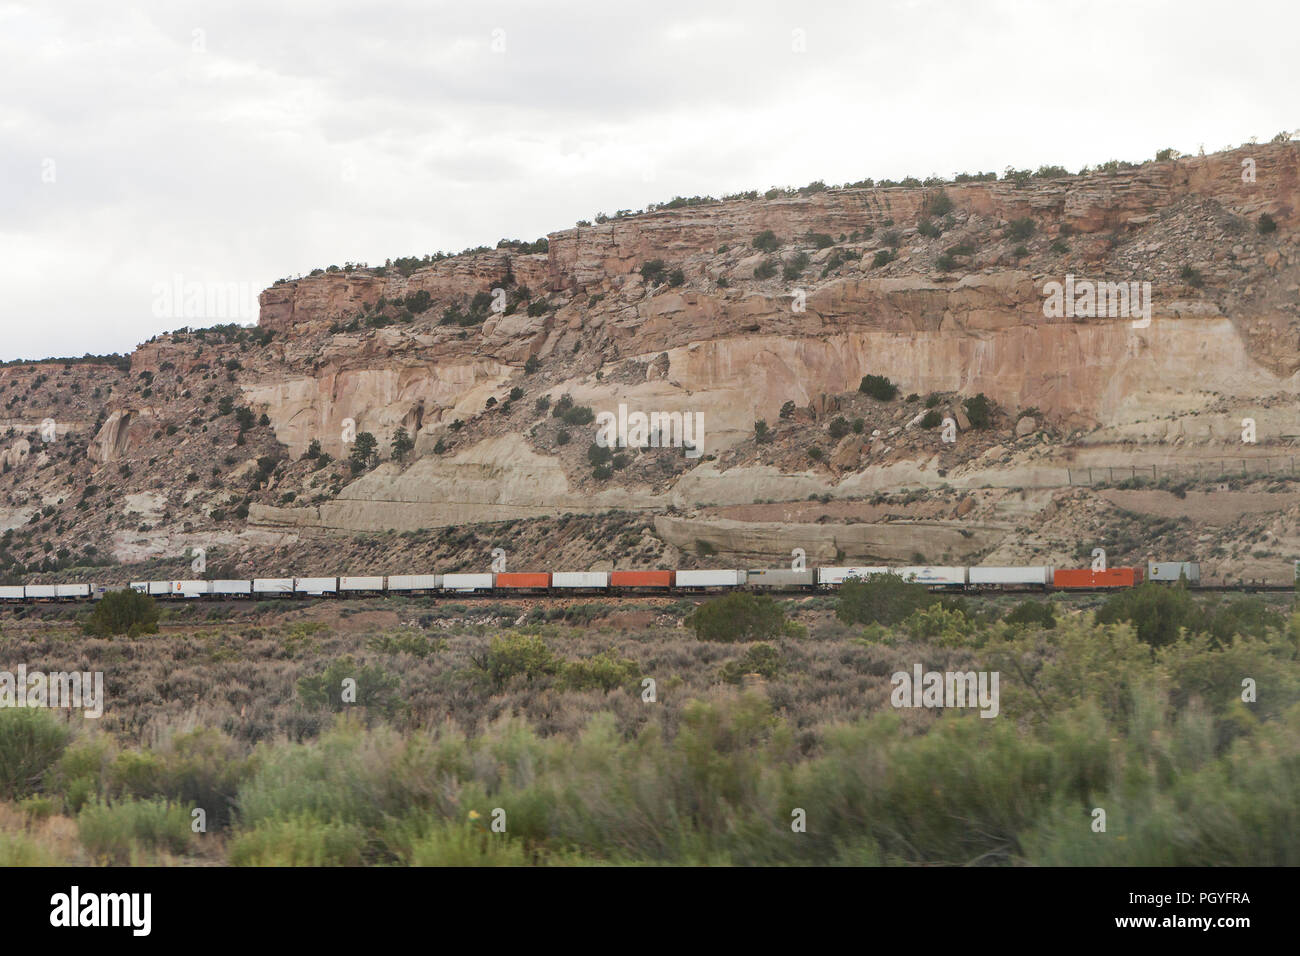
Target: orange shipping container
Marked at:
641, 579
526, 579
1087, 578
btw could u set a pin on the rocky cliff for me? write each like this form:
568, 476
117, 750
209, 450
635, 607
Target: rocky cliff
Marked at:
734, 313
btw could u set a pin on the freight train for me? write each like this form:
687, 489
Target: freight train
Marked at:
1041, 578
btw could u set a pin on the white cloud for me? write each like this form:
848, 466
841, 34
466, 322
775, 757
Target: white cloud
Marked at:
308, 135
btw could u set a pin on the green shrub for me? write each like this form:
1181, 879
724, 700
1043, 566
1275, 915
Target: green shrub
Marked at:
762, 659
118, 833
31, 742
1033, 613
979, 411
1192, 277
882, 258
766, 241
878, 387
299, 841
1157, 611
123, 612
839, 427
737, 617
932, 419
1266, 224
1020, 229
765, 269
374, 687
604, 671
653, 271
881, 599
452, 844
516, 655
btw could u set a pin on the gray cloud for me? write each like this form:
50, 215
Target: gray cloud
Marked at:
246, 141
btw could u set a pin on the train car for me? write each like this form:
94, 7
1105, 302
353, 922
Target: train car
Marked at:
231, 588
1088, 578
362, 585
158, 588
273, 587
408, 583
781, 579
1173, 571
41, 592
189, 589
641, 580
316, 587
464, 583
935, 576
12, 592
834, 577
709, 579
1010, 578
71, 592
581, 580
522, 580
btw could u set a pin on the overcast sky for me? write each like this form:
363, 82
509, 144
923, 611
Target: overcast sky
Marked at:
238, 142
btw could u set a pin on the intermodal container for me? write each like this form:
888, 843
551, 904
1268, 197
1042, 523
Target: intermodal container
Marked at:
372, 583
1173, 570
1088, 578
12, 592
316, 586
232, 588
1011, 577
414, 582
467, 582
159, 588
710, 579
523, 580
933, 575
829, 577
580, 579
781, 578
40, 591
272, 585
72, 590
641, 579
190, 589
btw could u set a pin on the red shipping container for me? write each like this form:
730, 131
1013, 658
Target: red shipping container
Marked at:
1088, 578
641, 579
526, 579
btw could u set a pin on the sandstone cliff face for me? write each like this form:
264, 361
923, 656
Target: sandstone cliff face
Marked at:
741, 336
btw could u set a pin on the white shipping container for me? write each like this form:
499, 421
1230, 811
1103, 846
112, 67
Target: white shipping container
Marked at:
710, 579
467, 582
72, 590
160, 588
316, 586
580, 579
840, 575
232, 587
12, 592
1173, 570
40, 591
414, 582
361, 584
191, 589
1040, 576
926, 574
141, 586
272, 585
